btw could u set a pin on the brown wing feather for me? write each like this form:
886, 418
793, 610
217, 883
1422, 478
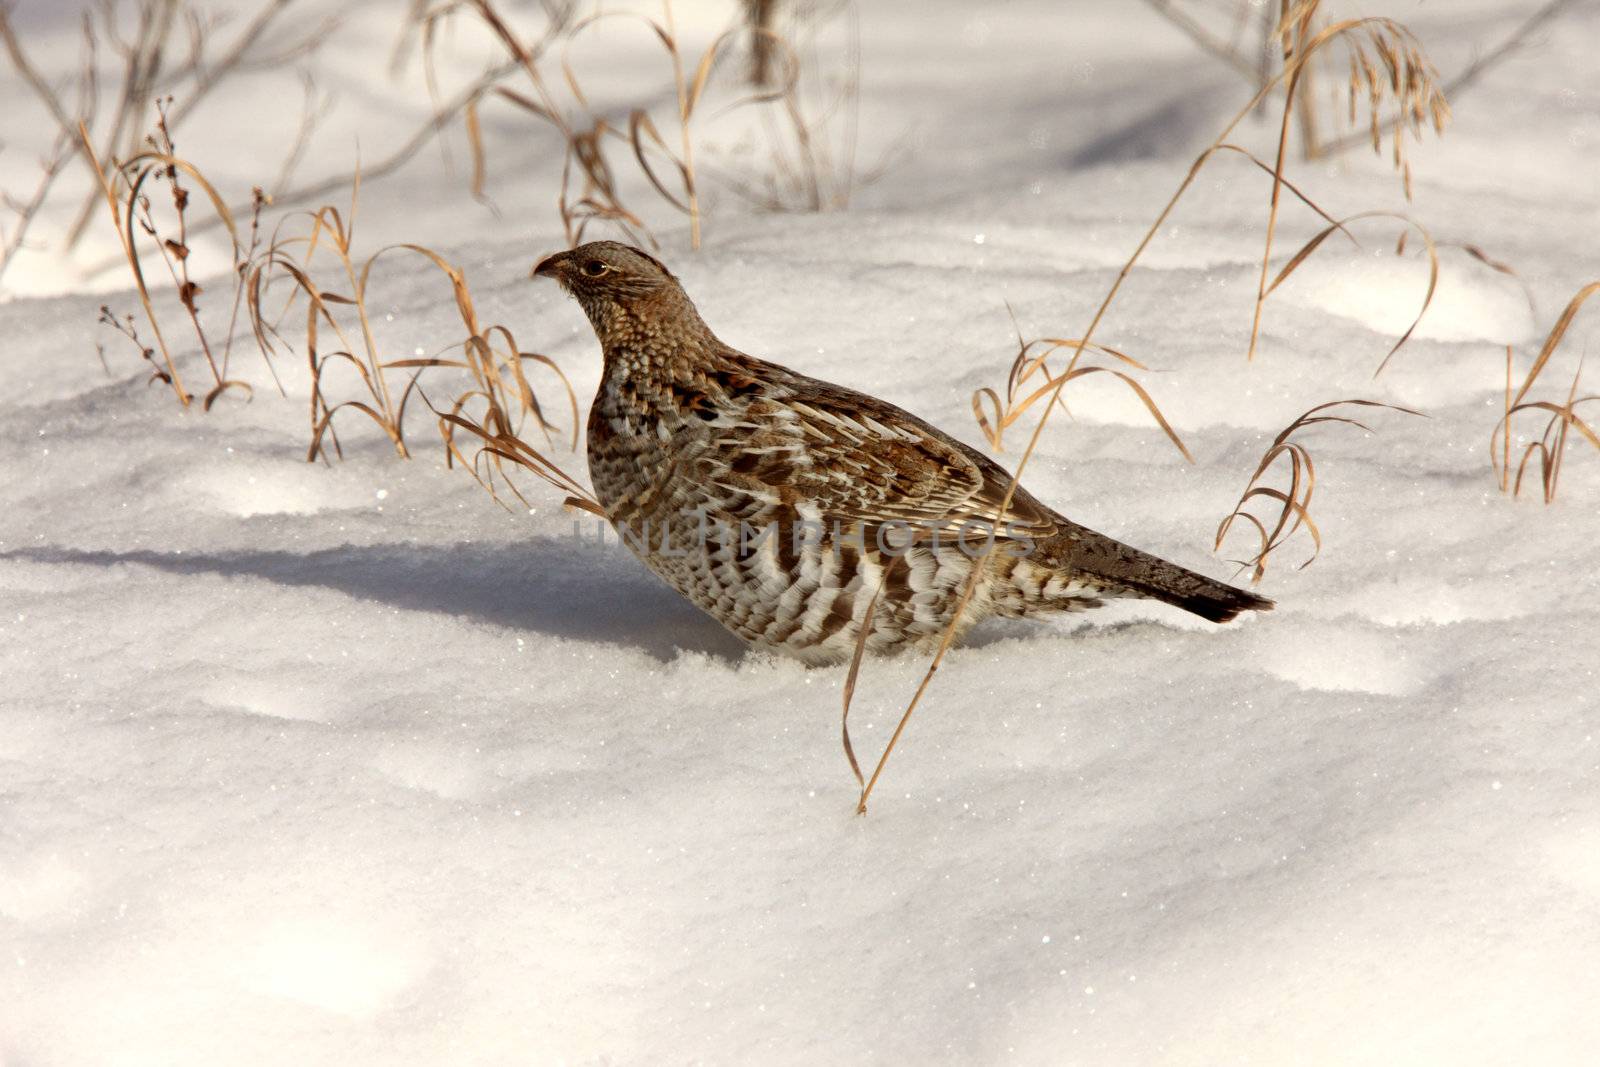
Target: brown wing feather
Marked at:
886, 465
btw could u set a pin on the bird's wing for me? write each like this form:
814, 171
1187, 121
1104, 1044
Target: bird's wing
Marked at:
858, 459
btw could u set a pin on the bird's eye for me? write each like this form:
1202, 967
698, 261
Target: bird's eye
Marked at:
594, 268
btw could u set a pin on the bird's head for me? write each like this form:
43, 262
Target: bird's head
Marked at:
614, 282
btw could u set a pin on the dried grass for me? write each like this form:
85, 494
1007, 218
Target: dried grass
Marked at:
1387, 62
495, 399
590, 191
995, 415
1496, 265
132, 214
1232, 44
492, 397
1293, 502
1305, 251
1483, 60
1551, 445
165, 48
65, 147
647, 140
597, 198
807, 160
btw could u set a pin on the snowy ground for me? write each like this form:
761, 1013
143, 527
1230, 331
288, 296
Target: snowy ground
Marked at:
346, 765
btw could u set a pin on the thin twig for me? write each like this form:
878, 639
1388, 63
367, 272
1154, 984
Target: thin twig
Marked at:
313, 111
144, 57
1207, 40
10, 244
388, 165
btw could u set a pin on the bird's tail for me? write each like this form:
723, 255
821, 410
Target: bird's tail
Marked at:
1127, 571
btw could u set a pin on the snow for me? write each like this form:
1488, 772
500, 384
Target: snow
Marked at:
344, 764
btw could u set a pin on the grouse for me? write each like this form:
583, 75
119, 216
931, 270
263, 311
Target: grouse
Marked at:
795, 511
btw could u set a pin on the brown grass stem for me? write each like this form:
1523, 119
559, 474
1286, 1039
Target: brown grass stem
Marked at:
1294, 502
1551, 445
1308, 48
125, 234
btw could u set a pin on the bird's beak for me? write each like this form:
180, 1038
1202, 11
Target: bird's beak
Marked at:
549, 266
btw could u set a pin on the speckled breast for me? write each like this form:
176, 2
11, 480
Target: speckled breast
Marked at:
805, 591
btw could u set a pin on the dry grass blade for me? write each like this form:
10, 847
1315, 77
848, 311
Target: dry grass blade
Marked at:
1292, 189
584, 145
688, 92
1031, 363
1305, 251
1499, 267
812, 125
1551, 445
702, 74
475, 143
1557, 333
526, 103
1294, 501
498, 446
916, 700
641, 128
585, 162
114, 205
589, 191
1402, 71
132, 214
856, 655
492, 365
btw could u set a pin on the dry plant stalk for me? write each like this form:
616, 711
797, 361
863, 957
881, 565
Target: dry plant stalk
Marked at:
130, 329
26, 211
1293, 502
160, 31
584, 144
1430, 248
131, 214
759, 16
498, 442
811, 130
1496, 265
1482, 62
65, 148
163, 48
643, 136
497, 403
1385, 59
1230, 49
1412, 84
589, 190
1032, 360
1551, 446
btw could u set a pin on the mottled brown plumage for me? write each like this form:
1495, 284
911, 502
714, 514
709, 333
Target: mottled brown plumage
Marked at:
780, 504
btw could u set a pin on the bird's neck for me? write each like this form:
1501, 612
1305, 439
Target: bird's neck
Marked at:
661, 334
